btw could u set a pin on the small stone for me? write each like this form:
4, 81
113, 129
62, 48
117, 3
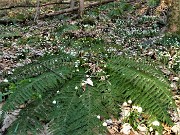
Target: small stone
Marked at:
176, 79
142, 128
126, 129
176, 128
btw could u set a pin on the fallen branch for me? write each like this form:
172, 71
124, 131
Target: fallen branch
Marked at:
33, 6
68, 10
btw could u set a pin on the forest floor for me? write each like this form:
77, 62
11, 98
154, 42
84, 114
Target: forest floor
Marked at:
134, 29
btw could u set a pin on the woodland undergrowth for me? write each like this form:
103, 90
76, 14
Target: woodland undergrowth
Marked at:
75, 76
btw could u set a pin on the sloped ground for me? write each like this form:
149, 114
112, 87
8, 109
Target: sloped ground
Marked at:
132, 28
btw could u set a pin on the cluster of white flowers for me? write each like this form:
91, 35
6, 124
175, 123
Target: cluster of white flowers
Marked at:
139, 109
76, 63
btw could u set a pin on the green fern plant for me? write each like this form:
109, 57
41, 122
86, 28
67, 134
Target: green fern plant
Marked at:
51, 90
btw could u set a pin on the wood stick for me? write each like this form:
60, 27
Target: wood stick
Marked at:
69, 10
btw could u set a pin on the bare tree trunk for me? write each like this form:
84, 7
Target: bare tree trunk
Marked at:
72, 3
174, 19
36, 17
81, 7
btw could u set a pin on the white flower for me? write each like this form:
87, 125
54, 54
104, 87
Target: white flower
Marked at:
126, 128
58, 91
76, 87
104, 124
89, 81
129, 101
156, 123
109, 121
125, 112
54, 102
134, 107
87, 75
98, 116
150, 129
124, 104
139, 109
5, 80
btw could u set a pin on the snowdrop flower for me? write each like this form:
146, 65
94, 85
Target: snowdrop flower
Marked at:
104, 124
58, 91
126, 128
150, 129
54, 102
76, 87
129, 102
156, 123
5, 80
98, 116
139, 109
77, 70
124, 104
89, 81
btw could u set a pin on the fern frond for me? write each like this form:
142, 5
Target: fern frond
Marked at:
77, 115
143, 84
36, 86
46, 64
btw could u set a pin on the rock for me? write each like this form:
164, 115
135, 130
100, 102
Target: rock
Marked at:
176, 128
142, 128
126, 129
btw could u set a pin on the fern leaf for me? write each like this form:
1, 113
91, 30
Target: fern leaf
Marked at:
143, 84
46, 64
36, 86
77, 115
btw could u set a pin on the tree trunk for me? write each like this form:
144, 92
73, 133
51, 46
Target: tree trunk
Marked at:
81, 7
174, 18
72, 4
